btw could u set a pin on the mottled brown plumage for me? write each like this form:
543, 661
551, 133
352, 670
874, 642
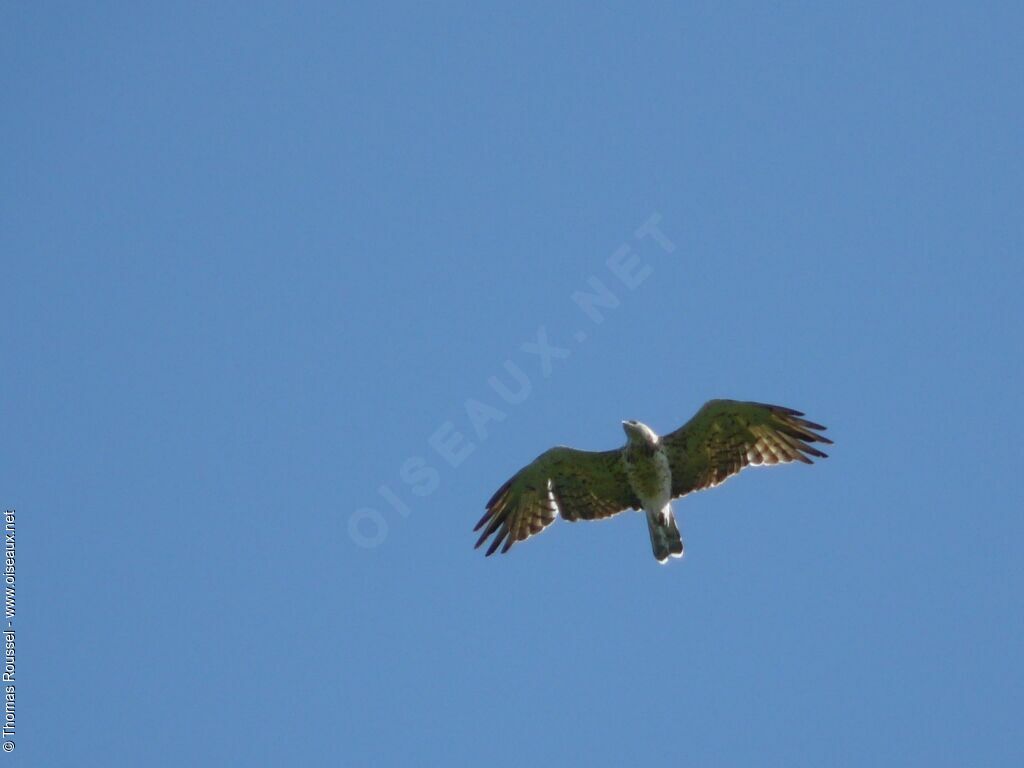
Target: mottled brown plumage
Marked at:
720, 440
585, 485
725, 436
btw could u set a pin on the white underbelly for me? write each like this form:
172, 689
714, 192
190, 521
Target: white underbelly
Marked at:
651, 478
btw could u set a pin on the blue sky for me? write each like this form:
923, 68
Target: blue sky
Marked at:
258, 258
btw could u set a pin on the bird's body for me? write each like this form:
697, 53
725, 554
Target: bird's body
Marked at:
650, 478
648, 472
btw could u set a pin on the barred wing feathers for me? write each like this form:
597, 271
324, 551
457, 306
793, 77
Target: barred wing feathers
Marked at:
727, 435
579, 485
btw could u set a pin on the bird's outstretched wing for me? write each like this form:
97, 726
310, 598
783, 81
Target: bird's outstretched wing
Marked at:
727, 435
579, 485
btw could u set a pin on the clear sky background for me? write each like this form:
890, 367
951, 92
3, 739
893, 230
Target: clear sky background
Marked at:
255, 256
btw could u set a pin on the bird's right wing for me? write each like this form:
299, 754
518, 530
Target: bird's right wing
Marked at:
579, 485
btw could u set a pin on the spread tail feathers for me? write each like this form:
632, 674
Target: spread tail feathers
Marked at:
665, 538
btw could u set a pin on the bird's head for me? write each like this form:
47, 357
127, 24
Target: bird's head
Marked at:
638, 432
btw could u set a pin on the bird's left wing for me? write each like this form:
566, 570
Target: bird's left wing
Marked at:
579, 485
727, 435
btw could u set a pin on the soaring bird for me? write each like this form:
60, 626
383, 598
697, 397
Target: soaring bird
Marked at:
647, 472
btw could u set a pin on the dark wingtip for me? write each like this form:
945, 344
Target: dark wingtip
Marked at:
494, 546
483, 520
811, 425
810, 430
498, 493
782, 409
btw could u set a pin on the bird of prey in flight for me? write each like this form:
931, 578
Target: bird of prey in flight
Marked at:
647, 472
